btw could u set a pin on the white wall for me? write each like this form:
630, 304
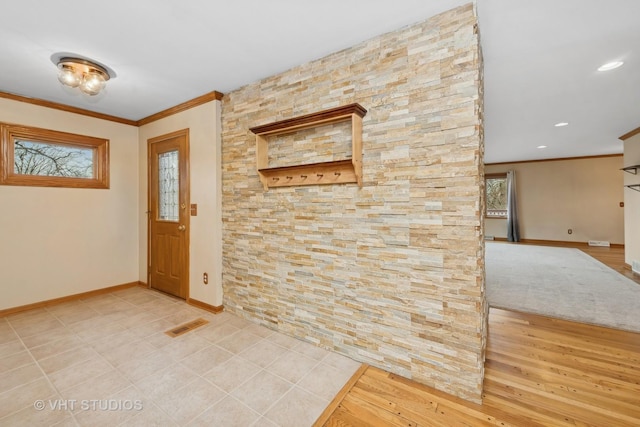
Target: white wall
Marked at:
56, 242
632, 202
205, 248
579, 194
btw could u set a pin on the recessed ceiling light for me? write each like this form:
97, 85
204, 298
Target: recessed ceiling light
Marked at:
610, 66
542, 146
561, 124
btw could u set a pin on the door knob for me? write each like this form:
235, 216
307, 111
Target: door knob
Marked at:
182, 227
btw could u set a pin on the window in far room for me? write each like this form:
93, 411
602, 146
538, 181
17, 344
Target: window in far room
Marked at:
496, 195
47, 158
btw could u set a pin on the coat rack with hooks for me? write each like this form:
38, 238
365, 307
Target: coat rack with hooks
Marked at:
332, 172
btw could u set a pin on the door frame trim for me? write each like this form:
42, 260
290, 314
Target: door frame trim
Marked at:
187, 189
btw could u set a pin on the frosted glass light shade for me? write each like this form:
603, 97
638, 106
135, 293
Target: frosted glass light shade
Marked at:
92, 83
68, 76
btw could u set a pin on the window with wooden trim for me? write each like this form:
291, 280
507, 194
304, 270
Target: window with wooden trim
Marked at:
47, 158
496, 195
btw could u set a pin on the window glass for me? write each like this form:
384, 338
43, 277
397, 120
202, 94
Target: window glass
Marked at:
496, 196
168, 186
47, 158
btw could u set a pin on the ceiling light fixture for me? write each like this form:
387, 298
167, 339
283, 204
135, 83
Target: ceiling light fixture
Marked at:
561, 124
87, 75
542, 146
610, 66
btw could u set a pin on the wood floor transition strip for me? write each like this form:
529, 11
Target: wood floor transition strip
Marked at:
337, 400
186, 327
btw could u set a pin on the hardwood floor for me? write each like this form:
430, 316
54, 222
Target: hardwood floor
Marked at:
539, 371
555, 372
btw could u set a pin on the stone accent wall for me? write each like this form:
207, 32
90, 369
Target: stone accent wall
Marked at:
390, 274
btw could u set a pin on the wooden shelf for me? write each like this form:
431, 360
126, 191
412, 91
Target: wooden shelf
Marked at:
332, 172
631, 169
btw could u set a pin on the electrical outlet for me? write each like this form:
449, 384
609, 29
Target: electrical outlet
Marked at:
205, 278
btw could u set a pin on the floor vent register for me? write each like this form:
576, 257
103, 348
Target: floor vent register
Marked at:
189, 326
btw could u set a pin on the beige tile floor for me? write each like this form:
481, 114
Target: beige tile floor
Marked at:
105, 360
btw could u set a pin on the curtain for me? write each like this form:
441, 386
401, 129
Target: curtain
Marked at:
513, 229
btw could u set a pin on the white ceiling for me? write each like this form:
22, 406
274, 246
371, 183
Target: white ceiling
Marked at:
540, 57
541, 60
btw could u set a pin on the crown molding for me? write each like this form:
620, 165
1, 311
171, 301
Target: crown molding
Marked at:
203, 99
67, 108
630, 134
554, 160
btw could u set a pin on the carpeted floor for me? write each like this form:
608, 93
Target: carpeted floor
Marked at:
560, 282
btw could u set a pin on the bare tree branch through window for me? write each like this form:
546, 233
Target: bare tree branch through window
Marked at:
496, 195
47, 158
36, 158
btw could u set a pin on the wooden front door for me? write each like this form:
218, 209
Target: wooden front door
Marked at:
168, 213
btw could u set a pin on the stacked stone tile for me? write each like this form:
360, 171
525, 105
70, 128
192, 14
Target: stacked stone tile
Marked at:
323, 143
390, 274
